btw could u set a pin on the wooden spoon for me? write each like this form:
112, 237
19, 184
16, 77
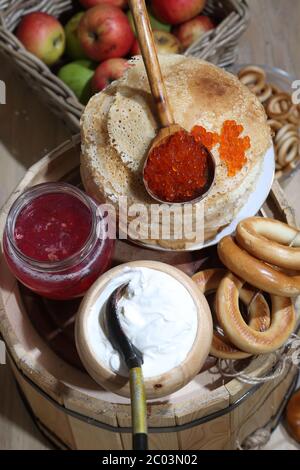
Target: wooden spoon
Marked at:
159, 94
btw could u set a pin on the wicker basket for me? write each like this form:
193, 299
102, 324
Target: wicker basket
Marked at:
218, 46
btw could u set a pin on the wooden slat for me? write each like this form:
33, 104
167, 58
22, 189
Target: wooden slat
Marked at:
157, 416
282, 386
257, 368
283, 206
92, 438
259, 408
211, 435
88, 435
53, 418
17, 430
90, 407
7, 281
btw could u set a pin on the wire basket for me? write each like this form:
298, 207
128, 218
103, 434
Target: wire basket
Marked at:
218, 46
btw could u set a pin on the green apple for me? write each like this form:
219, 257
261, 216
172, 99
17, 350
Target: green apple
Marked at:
73, 46
78, 76
155, 24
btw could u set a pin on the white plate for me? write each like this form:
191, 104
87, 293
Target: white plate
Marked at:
255, 201
251, 208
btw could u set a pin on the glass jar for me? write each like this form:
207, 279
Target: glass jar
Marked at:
55, 241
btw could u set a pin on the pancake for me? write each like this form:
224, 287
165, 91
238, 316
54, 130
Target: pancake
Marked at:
119, 124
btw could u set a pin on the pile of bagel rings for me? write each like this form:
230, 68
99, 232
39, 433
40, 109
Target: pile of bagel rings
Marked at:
263, 257
283, 117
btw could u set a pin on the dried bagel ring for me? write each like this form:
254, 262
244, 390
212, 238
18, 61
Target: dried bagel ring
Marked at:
285, 129
275, 125
294, 114
265, 93
269, 240
279, 106
292, 165
288, 168
256, 272
275, 89
208, 281
288, 150
241, 334
253, 77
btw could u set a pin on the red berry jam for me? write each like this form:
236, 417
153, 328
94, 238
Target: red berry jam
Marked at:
55, 241
52, 227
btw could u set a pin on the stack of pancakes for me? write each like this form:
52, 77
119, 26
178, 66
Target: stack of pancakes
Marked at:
119, 124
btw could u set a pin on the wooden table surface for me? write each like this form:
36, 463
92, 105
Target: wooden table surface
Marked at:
28, 130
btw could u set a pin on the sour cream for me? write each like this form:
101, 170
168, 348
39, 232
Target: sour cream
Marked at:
158, 314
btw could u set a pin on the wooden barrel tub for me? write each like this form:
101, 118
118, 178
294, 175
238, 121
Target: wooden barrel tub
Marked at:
72, 410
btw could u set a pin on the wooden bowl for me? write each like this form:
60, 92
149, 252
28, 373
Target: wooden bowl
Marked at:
160, 385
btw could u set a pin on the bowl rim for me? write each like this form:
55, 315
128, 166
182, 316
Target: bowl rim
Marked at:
163, 384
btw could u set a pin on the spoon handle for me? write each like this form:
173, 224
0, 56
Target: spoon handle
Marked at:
149, 53
138, 409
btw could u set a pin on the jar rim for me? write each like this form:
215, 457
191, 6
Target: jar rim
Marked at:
52, 188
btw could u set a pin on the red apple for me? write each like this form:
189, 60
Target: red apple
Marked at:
105, 33
166, 43
176, 11
93, 3
107, 72
43, 36
135, 50
191, 30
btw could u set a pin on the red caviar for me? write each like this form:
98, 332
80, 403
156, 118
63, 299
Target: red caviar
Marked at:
232, 146
209, 139
177, 170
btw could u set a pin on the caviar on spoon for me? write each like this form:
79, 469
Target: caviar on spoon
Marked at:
178, 168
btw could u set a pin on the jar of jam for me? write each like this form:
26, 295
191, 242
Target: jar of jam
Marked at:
55, 241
